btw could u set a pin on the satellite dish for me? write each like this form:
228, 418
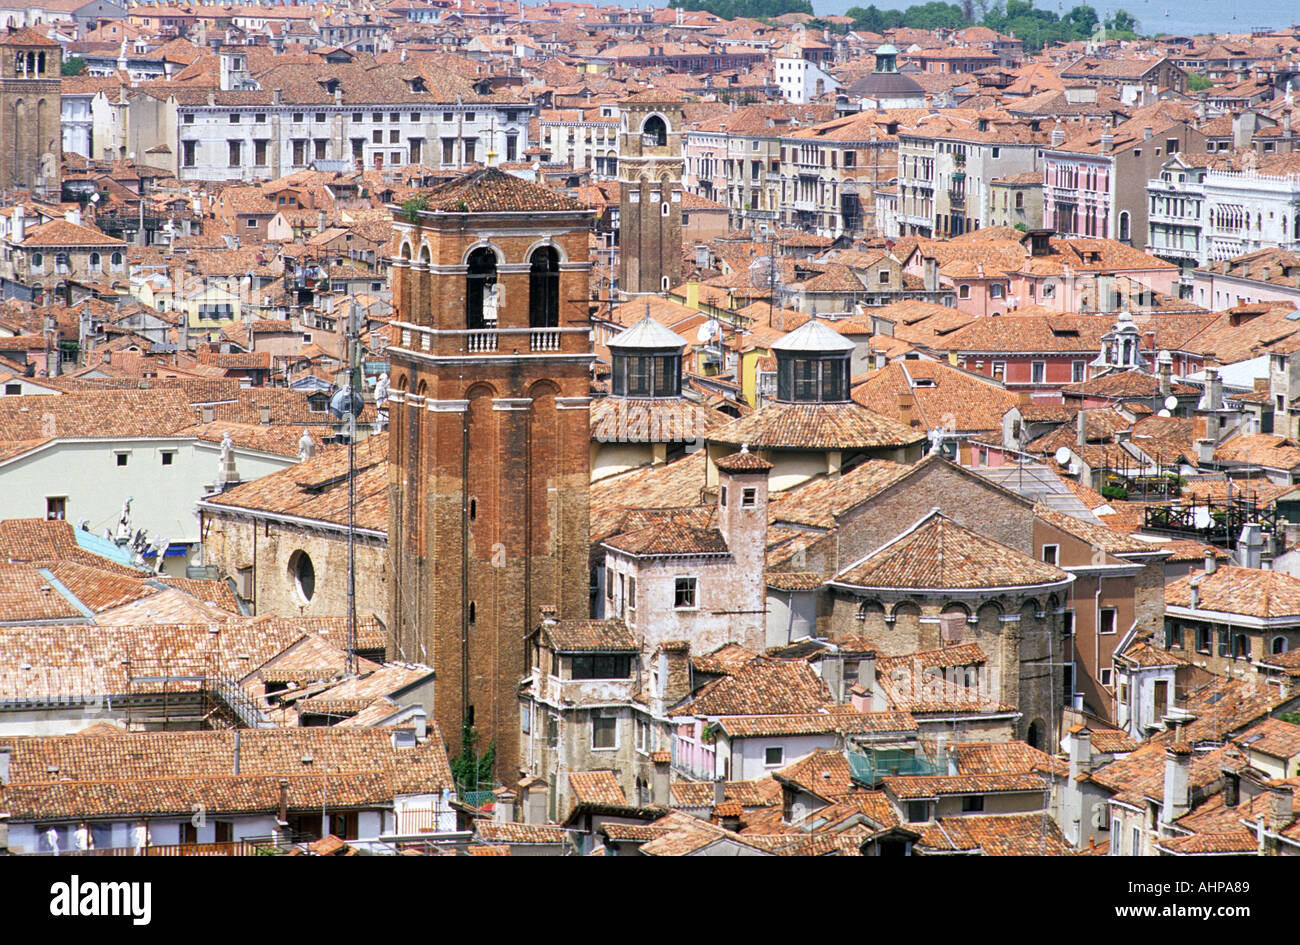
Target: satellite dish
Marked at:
1171, 403
707, 331
1163, 413
94, 198
1062, 456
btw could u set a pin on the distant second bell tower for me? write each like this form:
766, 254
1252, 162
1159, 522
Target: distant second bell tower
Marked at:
31, 151
650, 205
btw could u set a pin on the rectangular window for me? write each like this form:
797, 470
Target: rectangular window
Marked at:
601, 666
525, 718
1105, 676
1203, 639
449, 153
642, 734
684, 593
122, 458
1067, 623
168, 457
11, 389
1173, 636
320, 145
1050, 553
188, 153
377, 136
56, 508
470, 145
774, 756
299, 152
1038, 371
1106, 620
1076, 371
972, 804
918, 812
604, 732
748, 498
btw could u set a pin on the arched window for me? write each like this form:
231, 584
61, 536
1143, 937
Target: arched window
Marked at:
481, 273
117, 259
544, 288
1034, 736
655, 132
95, 260
1279, 645
1124, 227
1240, 646
40, 63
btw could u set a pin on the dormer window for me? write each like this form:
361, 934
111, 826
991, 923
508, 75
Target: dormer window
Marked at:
417, 84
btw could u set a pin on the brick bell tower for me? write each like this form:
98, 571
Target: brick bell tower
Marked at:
650, 194
488, 439
31, 152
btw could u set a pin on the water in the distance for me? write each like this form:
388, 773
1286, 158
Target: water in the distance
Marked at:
1182, 17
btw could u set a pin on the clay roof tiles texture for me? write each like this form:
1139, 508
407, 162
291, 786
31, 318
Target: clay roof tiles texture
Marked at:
937, 553
816, 426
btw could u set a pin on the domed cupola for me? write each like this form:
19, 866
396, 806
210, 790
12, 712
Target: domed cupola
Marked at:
812, 365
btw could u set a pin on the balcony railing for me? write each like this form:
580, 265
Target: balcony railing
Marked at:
694, 759
489, 340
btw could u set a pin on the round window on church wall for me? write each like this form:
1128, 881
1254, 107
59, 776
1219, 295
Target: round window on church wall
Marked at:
303, 574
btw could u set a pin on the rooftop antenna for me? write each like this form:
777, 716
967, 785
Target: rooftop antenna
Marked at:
346, 405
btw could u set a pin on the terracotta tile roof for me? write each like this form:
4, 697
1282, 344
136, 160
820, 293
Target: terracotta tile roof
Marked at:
1013, 757
599, 788
670, 538
943, 396
1112, 741
819, 502
490, 190
513, 833
743, 462
1141, 774
763, 687
317, 488
58, 233
1099, 536
121, 776
1247, 591
676, 486
997, 835
1259, 449
906, 788
935, 694
620, 420
748, 794
961, 654
823, 773
590, 636
817, 723
816, 426
1239, 840
937, 553
684, 834
1272, 737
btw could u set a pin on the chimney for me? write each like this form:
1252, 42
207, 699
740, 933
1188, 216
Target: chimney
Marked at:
275, 96
659, 780
1146, 133
1080, 751
1281, 805
1211, 562
1204, 450
320, 220
283, 813
1107, 141
1165, 368
931, 274
833, 675
719, 791
1058, 135
20, 224
209, 413
1212, 399
265, 412
1178, 763
906, 409
4, 764
1231, 787
1081, 432
1194, 591
235, 762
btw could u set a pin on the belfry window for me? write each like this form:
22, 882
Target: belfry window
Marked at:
655, 132
544, 288
812, 379
480, 278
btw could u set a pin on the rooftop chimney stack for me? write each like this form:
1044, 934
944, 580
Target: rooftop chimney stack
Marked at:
1178, 763
1281, 806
